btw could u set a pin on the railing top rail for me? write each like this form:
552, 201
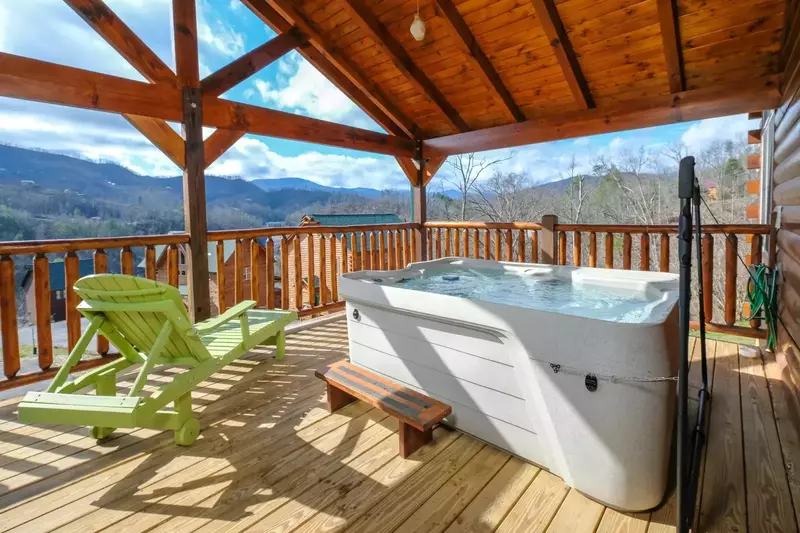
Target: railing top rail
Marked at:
732, 229
483, 225
224, 235
94, 243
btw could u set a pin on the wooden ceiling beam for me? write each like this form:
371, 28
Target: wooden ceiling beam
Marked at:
218, 143
162, 136
670, 37
695, 104
250, 63
122, 39
554, 29
184, 31
336, 67
392, 48
466, 41
31, 79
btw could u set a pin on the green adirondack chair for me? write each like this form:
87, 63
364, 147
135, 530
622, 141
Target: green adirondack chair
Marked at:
147, 321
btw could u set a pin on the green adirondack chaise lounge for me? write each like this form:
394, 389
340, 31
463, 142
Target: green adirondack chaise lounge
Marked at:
148, 323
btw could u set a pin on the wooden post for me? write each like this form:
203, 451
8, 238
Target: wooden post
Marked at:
731, 249
457, 242
535, 247
562, 248
8, 317
476, 244
100, 267
549, 249
447, 239
487, 242
194, 187
627, 245
521, 246
644, 252
465, 243
609, 250
576, 248
172, 265
664, 266
150, 262
509, 245
221, 296
497, 245
592, 249
126, 261
256, 291
44, 336
420, 201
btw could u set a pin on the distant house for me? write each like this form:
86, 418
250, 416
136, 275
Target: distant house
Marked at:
332, 220
712, 189
230, 272
58, 288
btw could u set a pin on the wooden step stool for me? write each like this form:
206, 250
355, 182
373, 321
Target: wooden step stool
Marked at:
418, 414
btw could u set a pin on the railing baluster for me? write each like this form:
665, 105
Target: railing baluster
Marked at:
406, 248
413, 247
576, 248
285, 296
430, 244
487, 242
100, 267
298, 273
509, 245
476, 244
535, 246
731, 249
438, 243
150, 262
456, 242
71, 275
497, 245
627, 245
592, 249
465, 242
8, 317
345, 267
172, 265
256, 289
126, 261
398, 249
521, 246
708, 277
562, 248
311, 271
270, 281
382, 259
390, 250
755, 259
373, 251
447, 238
332, 269
41, 294
323, 269
664, 264
238, 275
355, 252
222, 303
609, 250
644, 251
366, 264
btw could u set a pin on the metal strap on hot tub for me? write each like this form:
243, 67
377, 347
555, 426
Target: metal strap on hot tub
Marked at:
561, 369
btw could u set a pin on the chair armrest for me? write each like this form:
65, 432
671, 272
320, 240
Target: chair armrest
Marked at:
236, 311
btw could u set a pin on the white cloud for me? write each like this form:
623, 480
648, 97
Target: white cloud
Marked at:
583, 141
701, 134
213, 31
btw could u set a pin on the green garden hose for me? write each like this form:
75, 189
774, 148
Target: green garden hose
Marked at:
762, 294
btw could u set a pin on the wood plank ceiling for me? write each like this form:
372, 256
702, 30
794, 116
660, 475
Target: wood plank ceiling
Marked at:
487, 63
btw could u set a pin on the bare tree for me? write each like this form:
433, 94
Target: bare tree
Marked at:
466, 170
639, 187
576, 192
508, 197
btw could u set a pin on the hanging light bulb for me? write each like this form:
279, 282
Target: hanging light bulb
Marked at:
418, 26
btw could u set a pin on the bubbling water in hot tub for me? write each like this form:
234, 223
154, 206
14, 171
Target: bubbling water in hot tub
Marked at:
535, 292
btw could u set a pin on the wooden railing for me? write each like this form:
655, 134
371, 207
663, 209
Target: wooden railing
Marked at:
655, 249
249, 272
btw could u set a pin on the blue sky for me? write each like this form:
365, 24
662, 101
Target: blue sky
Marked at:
51, 31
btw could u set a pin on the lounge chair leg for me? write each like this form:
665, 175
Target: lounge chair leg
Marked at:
106, 385
280, 345
189, 429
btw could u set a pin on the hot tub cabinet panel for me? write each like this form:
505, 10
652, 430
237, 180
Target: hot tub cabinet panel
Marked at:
517, 377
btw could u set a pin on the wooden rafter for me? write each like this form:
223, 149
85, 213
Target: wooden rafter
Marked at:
162, 136
218, 143
554, 29
391, 47
338, 69
100, 17
670, 38
184, 31
481, 64
250, 63
31, 79
695, 104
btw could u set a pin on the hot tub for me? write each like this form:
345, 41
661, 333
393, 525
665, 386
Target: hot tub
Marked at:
569, 368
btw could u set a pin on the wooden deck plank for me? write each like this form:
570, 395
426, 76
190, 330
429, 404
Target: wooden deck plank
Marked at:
496, 499
355, 503
439, 511
617, 522
769, 502
723, 506
577, 514
537, 506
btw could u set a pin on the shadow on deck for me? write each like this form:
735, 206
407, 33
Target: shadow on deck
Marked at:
270, 457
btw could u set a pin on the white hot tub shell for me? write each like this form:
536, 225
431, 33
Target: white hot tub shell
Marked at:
517, 377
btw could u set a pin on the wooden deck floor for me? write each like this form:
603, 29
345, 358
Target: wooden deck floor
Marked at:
271, 458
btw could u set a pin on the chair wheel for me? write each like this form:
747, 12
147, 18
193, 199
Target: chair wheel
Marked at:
101, 433
188, 432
